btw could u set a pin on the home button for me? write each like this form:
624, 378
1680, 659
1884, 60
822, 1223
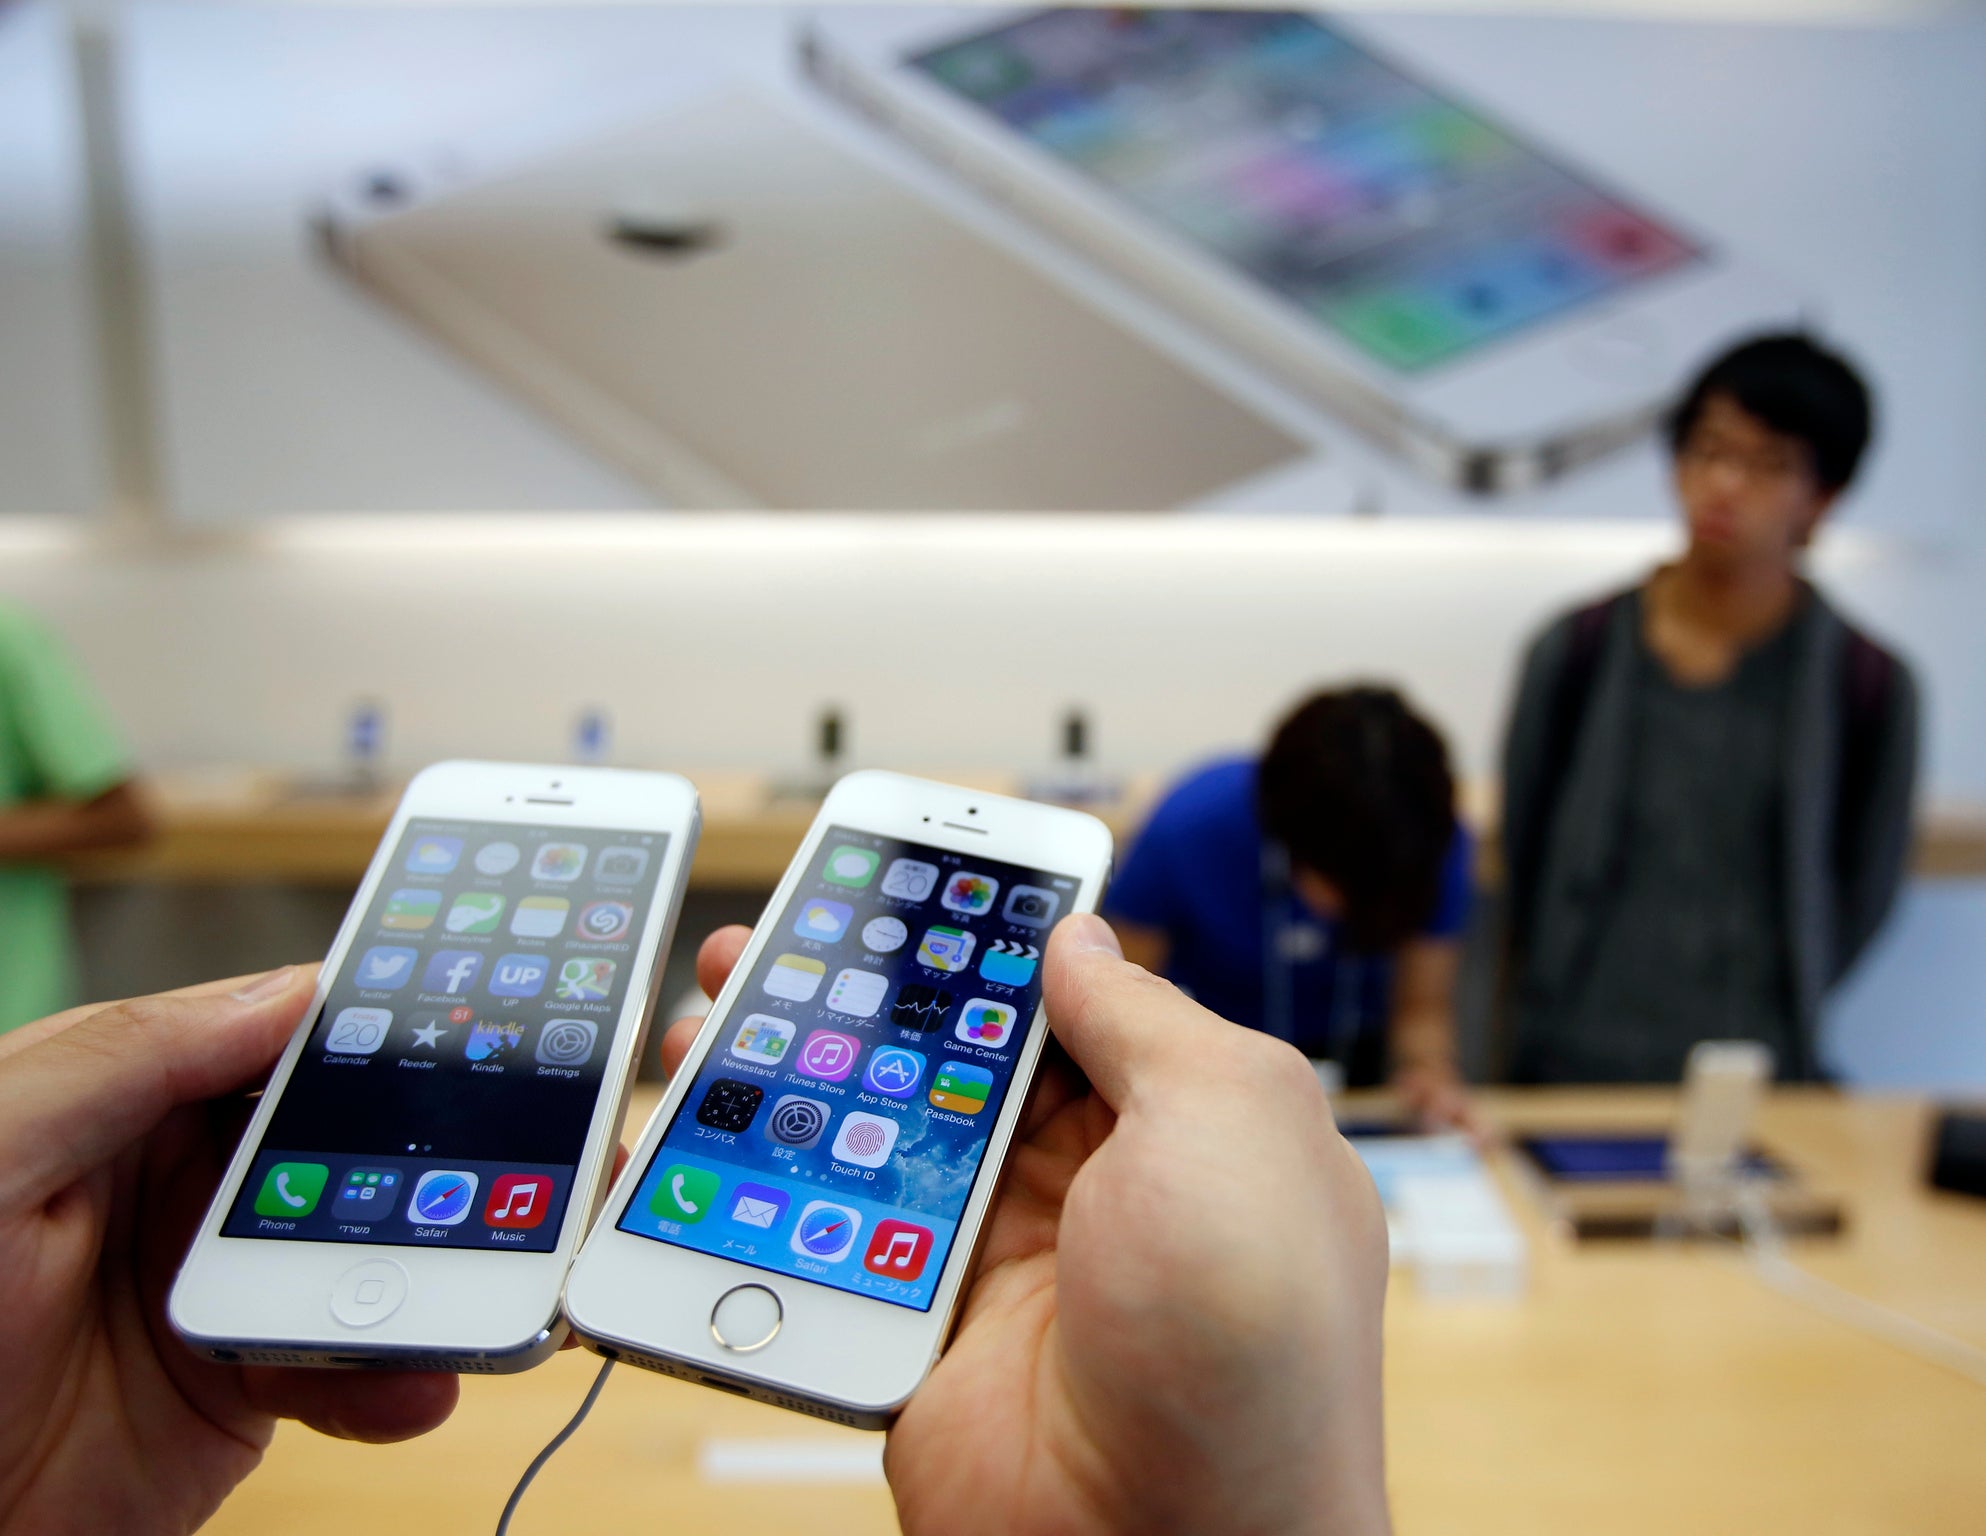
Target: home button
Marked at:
746, 1318
368, 1293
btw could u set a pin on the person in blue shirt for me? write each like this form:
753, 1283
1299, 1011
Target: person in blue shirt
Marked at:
1318, 893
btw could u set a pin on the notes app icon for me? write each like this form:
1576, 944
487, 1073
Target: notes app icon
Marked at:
518, 1201
795, 978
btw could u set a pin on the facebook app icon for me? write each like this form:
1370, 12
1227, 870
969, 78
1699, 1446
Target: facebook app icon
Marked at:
452, 971
519, 976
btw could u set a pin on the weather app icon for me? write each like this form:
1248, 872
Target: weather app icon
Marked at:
823, 920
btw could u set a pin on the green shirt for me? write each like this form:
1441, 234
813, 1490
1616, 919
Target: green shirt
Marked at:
56, 743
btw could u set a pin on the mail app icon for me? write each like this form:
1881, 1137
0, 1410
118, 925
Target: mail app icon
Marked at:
759, 1205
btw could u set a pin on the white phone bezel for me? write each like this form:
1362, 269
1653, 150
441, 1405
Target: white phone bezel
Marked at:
854, 1356
251, 1297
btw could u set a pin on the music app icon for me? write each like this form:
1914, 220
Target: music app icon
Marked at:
897, 1250
518, 1200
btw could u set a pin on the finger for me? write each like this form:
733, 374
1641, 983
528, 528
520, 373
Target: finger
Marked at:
1120, 1024
718, 955
677, 1042
20, 1039
378, 1407
71, 1102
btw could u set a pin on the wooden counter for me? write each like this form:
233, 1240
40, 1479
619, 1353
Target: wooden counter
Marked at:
1634, 1390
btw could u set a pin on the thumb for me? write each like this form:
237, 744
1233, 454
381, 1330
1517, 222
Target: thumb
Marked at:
73, 1101
1125, 1027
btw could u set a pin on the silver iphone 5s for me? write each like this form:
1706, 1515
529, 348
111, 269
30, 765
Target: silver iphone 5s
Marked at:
803, 1211
432, 1145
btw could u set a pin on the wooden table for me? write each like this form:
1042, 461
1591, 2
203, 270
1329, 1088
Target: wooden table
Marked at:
1634, 1390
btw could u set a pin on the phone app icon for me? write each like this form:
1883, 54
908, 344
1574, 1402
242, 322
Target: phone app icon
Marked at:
985, 1022
585, 979
864, 1139
386, 968
796, 1122
366, 1195
961, 1087
893, 1072
758, 1205
620, 866
474, 912
567, 1042
851, 866
497, 858
910, 880
764, 1038
684, 1194
828, 1056
825, 1231
442, 1197
410, 910
558, 861
969, 893
605, 921
520, 975
796, 978
858, 993
729, 1105
1009, 963
822, 919
518, 1201
452, 971
946, 949
492, 1039
897, 1250
291, 1189
1030, 906
884, 935
434, 855
919, 1007
539, 917
359, 1031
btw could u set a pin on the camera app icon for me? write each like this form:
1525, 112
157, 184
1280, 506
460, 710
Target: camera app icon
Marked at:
1031, 906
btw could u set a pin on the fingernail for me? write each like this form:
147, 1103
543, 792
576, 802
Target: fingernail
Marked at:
265, 987
1087, 933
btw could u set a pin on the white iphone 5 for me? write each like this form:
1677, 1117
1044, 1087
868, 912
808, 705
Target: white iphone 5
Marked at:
803, 1211
433, 1143
1464, 295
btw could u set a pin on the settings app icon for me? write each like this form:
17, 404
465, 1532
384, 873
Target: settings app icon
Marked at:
567, 1042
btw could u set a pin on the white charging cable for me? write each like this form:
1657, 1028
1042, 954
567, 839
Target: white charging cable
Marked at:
551, 1450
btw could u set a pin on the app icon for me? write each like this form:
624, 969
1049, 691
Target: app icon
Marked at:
366, 1195
567, 1042
884, 935
620, 866
946, 949
796, 1122
825, 1231
969, 893
908, 880
1009, 963
985, 1022
386, 968
851, 866
585, 979
496, 858
558, 861
893, 1071
452, 971
518, 1200
828, 1057
291, 1189
442, 1197
763, 1038
474, 912
604, 921
858, 993
359, 1031
520, 976
795, 977
428, 1029
961, 1087
492, 1039
539, 917
1030, 906
729, 1105
433, 855
822, 919
684, 1194
410, 910
919, 1007
758, 1205
897, 1250
864, 1139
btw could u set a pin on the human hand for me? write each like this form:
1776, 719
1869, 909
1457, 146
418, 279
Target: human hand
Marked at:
115, 1125
1175, 1322
1436, 1099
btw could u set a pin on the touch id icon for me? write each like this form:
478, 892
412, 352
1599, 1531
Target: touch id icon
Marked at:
864, 1140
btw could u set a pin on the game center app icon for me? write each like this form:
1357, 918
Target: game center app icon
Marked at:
969, 893
518, 1200
985, 1022
828, 1056
605, 921
897, 1250
946, 949
825, 1231
559, 861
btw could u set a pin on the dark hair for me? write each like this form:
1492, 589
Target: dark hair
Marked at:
1796, 387
1357, 787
